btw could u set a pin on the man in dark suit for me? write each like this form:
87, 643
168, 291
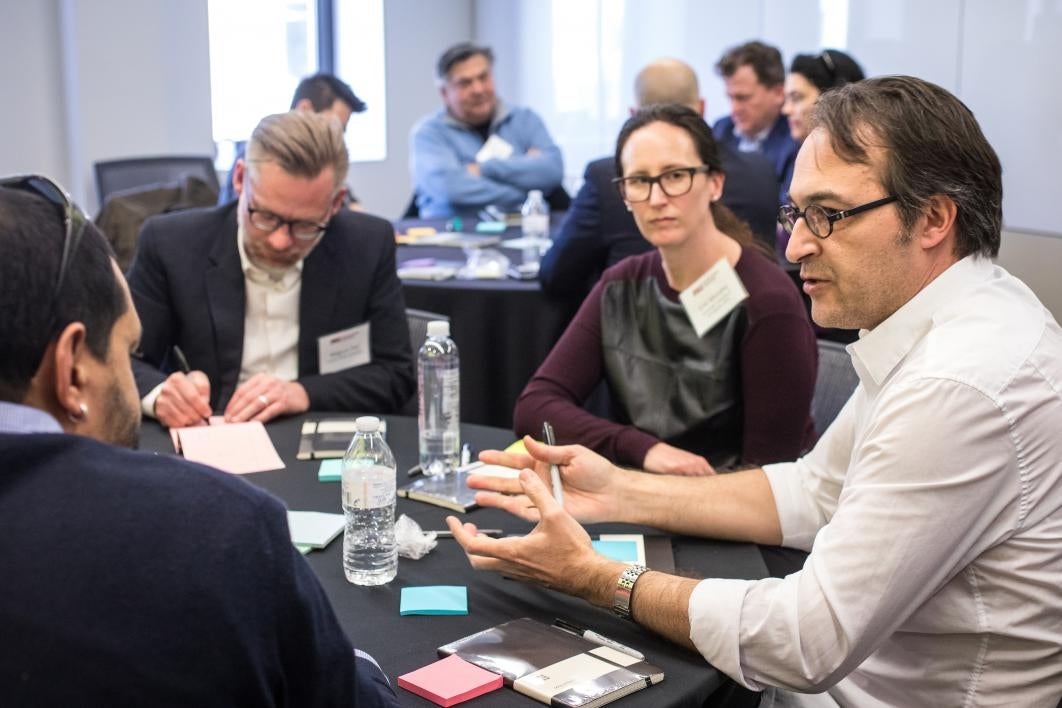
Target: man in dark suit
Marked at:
132, 579
599, 231
754, 76
281, 302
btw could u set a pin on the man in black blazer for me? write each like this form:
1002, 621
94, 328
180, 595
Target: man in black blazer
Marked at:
598, 231
280, 302
132, 579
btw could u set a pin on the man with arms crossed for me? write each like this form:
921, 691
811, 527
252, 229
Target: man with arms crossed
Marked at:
282, 301
476, 151
132, 579
932, 506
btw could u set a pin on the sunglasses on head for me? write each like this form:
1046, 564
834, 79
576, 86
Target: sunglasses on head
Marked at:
74, 220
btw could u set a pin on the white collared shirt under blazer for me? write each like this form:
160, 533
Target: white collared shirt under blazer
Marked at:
932, 508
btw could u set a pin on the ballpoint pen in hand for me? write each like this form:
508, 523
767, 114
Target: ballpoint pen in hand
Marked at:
554, 472
596, 638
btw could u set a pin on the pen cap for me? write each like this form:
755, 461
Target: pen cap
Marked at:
439, 328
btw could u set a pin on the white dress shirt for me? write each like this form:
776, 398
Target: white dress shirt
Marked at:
271, 319
932, 508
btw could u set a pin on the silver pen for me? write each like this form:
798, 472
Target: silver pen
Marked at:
596, 638
554, 472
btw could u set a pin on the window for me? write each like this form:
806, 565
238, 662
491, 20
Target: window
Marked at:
261, 49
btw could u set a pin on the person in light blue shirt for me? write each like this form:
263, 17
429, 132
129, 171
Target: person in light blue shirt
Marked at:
475, 150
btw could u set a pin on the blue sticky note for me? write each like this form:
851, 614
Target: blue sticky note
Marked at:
435, 600
626, 551
330, 470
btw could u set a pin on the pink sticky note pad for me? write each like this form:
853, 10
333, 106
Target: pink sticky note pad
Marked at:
450, 681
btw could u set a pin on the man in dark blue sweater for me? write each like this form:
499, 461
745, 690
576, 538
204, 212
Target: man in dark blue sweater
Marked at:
132, 579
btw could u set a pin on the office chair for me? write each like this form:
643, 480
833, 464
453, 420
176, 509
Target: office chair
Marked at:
117, 175
836, 381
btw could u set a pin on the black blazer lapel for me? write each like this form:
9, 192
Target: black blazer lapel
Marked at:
317, 299
227, 297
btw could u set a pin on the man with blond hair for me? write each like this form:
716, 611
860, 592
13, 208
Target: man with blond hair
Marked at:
277, 303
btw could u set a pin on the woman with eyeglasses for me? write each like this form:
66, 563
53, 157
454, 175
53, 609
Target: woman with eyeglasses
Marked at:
809, 76
719, 377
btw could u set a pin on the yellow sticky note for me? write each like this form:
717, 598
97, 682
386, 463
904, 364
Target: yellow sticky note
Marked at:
517, 446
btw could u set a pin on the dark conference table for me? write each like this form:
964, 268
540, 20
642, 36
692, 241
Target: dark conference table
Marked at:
503, 328
370, 616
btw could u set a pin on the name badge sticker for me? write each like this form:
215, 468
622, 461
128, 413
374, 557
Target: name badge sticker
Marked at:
344, 349
712, 296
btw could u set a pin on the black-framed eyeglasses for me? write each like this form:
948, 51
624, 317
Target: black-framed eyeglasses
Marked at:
819, 219
74, 220
673, 183
268, 221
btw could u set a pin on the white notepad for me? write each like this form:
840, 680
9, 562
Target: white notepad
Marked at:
315, 529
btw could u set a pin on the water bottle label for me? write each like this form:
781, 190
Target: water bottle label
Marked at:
368, 488
535, 224
451, 386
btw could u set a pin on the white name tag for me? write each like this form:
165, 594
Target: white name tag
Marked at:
494, 149
344, 349
712, 296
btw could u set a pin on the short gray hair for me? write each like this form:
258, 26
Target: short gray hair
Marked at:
302, 143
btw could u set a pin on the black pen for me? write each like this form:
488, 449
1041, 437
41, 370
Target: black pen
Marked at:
181, 359
596, 638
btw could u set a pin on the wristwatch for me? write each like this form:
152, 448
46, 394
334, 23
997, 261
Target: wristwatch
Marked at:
621, 601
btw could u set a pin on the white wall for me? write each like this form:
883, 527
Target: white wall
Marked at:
416, 33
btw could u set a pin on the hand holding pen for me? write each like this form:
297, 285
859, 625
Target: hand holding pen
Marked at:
184, 398
554, 471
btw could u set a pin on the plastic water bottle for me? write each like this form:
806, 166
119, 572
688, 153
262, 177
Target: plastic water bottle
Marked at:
370, 556
534, 223
439, 387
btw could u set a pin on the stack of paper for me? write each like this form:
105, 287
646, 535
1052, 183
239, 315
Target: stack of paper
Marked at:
314, 529
238, 448
450, 681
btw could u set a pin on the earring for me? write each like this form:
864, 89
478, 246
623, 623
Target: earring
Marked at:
82, 412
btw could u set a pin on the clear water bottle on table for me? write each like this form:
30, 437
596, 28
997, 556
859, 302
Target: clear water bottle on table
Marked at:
534, 223
439, 390
370, 556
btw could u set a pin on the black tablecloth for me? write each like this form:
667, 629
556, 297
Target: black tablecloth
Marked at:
402, 644
503, 328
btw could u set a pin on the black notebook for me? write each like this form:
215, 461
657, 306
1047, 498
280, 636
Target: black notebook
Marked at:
553, 666
320, 439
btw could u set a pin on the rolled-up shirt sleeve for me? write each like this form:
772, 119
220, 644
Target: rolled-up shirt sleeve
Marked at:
910, 514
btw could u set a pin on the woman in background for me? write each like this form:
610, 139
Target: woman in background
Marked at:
741, 392
809, 76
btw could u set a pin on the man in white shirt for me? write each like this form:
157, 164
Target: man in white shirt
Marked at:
277, 303
932, 507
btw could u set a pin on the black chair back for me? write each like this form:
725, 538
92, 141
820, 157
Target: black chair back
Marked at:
836, 381
118, 175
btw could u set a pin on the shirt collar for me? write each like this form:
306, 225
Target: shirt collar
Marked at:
261, 276
17, 418
754, 141
881, 349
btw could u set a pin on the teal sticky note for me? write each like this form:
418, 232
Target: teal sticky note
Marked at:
330, 470
434, 600
491, 227
626, 551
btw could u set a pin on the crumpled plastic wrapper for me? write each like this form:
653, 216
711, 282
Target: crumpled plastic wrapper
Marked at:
412, 541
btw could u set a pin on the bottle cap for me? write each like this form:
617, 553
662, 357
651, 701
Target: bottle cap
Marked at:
438, 328
367, 424
535, 193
